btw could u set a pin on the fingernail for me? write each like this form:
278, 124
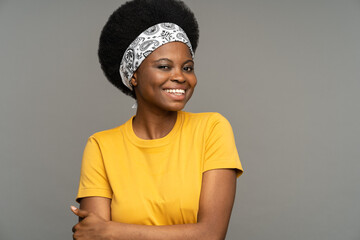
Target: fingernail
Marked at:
73, 208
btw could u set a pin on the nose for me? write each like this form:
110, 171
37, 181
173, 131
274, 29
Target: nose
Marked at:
178, 76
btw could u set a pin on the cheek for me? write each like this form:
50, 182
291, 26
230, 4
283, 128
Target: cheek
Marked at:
193, 81
155, 77
150, 83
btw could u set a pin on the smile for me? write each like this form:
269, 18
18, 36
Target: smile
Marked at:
175, 91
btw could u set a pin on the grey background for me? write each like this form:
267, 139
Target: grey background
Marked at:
285, 73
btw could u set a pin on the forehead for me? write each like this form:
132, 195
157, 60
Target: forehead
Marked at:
171, 50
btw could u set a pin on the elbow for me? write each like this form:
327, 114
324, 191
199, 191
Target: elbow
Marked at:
214, 237
218, 237
210, 232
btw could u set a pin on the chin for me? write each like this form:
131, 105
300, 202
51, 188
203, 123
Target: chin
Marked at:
176, 107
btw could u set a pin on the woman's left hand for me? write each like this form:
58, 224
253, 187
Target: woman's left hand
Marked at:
90, 227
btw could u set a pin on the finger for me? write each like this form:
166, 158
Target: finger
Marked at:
78, 212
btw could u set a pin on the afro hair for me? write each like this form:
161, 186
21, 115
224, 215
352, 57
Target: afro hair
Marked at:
131, 19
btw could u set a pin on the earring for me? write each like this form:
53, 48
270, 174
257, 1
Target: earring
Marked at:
133, 82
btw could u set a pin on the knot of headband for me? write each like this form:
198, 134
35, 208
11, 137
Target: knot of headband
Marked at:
147, 42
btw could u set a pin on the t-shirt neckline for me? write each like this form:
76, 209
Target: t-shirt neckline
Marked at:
158, 142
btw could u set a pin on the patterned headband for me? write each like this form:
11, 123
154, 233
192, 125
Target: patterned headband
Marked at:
149, 40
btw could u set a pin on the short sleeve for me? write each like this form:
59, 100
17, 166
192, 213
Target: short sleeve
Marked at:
220, 149
93, 177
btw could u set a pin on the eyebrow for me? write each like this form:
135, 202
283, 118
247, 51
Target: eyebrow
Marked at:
166, 59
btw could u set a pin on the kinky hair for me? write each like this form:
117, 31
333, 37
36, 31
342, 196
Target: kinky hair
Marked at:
131, 19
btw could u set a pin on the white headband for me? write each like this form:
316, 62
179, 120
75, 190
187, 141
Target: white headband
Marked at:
146, 43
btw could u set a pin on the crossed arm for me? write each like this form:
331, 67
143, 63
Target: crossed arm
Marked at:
215, 206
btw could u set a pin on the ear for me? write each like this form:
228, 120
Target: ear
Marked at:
133, 80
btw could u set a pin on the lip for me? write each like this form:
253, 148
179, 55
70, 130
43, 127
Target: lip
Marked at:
173, 96
176, 87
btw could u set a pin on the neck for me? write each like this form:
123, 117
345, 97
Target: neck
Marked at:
153, 125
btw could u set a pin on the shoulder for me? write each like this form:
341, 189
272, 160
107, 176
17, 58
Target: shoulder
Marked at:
109, 134
207, 124
208, 119
207, 116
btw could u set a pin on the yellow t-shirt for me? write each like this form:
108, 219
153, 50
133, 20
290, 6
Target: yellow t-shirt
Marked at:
157, 182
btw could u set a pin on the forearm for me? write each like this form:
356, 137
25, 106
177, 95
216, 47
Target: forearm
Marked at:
196, 231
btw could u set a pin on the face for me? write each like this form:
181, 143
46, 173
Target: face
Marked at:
165, 80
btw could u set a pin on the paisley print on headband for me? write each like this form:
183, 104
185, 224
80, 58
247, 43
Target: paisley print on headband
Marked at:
136, 42
168, 26
145, 45
149, 40
152, 30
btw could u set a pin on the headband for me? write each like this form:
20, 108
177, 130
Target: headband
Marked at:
147, 42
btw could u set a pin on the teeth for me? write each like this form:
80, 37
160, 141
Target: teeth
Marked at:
176, 91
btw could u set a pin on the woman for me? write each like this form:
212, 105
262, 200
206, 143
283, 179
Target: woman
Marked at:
165, 173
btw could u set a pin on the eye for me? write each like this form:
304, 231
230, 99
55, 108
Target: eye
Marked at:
189, 69
164, 67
